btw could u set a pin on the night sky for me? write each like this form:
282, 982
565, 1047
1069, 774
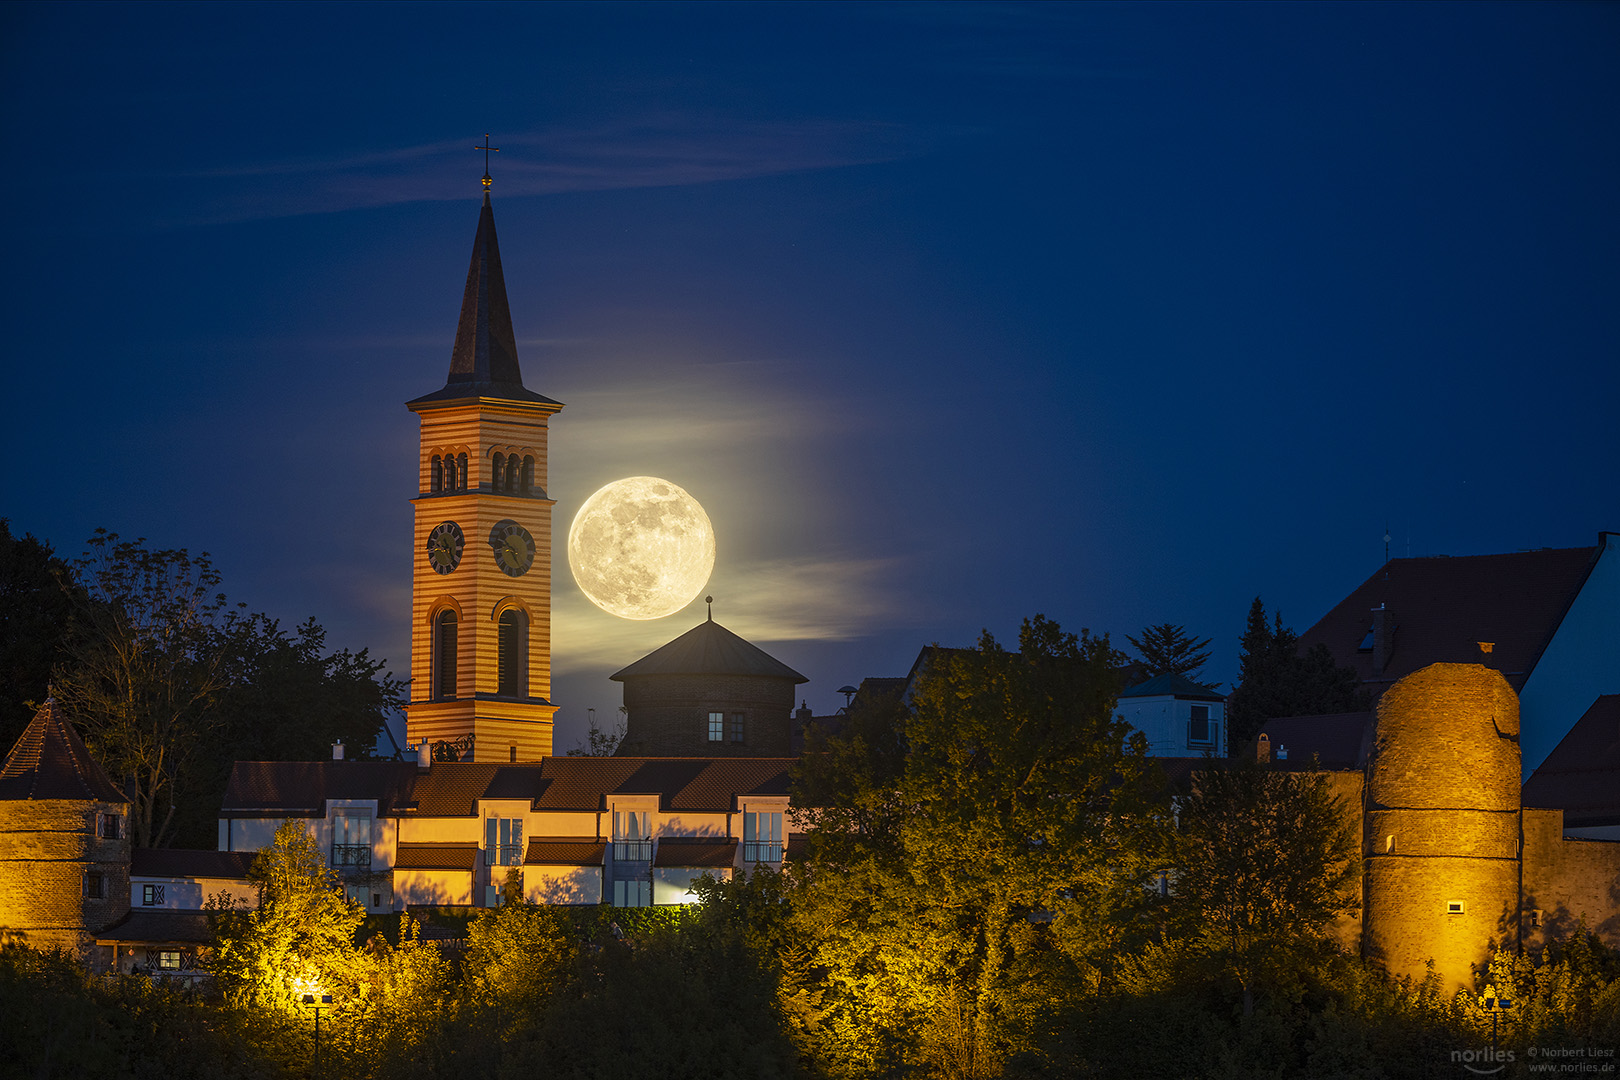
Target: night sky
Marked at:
948, 315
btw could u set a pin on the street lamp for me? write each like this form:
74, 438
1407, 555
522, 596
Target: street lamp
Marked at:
323, 1002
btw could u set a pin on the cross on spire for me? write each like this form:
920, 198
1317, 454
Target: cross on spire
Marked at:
487, 149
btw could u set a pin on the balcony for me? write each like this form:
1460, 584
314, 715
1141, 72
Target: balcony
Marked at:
762, 851
351, 856
505, 855
632, 851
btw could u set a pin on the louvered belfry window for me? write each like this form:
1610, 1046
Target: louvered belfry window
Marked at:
511, 652
444, 655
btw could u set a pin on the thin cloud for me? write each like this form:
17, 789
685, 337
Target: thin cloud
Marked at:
665, 151
769, 601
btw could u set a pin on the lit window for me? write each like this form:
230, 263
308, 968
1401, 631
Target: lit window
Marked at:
717, 727
151, 895
169, 960
762, 838
503, 844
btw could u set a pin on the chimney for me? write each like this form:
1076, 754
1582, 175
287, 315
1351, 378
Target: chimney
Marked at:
337, 750
1262, 749
1382, 632
802, 716
424, 755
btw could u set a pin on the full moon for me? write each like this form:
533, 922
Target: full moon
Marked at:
641, 548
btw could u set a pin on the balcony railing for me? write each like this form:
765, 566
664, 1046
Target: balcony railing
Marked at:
762, 851
632, 851
506, 855
351, 856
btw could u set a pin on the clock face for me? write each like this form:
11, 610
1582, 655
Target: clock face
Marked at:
444, 547
514, 548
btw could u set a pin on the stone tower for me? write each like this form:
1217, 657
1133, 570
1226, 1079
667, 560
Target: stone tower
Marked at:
1442, 822
64, 841
708, 693
481, 590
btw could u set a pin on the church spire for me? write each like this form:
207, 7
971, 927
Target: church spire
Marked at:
486, 350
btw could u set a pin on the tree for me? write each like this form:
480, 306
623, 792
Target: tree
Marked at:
37, 602
144, 666
1265, 863
1275, 680
1167, 650
599, 743
984, 860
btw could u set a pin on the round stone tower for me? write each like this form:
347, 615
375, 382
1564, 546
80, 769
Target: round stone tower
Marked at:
64, 841
1442, 822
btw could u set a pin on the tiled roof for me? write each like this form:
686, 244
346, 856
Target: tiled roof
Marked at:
1581, 776
1337, 740
709, 649
49, 761
563, 851
160, 928
453, 789
1174, 685
695, 851
290, 788
436, 856
183, 863
1441, 607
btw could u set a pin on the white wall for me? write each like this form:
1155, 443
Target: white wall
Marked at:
1163, 720
189, 894
1580, 664
673, 884
563, 884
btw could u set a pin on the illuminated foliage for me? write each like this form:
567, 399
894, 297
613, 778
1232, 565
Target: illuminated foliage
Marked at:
988, 857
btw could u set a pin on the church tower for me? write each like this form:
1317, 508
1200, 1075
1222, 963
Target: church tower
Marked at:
481, 589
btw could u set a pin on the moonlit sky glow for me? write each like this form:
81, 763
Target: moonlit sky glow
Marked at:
946, 314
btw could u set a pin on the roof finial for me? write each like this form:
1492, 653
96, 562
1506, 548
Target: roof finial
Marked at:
710, 601
487, 149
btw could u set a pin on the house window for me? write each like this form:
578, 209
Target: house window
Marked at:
444, 655
169, 960
151, 895
1535, 917
1454, 907
503, 841
762, 838
511, 652
95, 885
513, 751
632, 839
632, 894
111, 826
717, 727
1200, 729
737, 727
351, 842
495, 894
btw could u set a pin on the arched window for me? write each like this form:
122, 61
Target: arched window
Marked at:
513, 654
444, 655
528, 474
435, 476
496, 469
461, 472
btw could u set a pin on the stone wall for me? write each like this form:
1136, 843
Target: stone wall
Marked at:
47, 847
668, 715
1568, 882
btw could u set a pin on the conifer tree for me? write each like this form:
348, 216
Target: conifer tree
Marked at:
1275, 680
1167, 650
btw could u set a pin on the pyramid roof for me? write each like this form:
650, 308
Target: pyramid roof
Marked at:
50, 761
709, 649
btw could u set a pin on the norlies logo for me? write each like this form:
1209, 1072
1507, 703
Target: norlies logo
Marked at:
1485, 1062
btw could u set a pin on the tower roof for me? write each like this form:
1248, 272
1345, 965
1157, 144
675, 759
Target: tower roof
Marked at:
709, 649
50, 761
484, 362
